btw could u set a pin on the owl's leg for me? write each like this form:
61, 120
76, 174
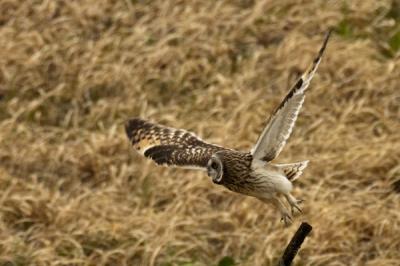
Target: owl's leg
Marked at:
286, 218
293, 202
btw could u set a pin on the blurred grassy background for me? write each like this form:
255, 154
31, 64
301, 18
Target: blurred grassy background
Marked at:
71, 72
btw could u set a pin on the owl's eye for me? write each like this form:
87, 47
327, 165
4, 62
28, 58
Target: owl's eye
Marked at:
214, 165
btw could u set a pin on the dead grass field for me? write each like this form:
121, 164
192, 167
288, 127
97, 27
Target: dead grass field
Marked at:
73, 192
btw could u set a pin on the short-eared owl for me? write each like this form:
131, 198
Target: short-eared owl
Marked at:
250, 173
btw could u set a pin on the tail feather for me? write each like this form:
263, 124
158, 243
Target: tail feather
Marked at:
293, 170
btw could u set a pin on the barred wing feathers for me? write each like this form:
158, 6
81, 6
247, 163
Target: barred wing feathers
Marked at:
169, 146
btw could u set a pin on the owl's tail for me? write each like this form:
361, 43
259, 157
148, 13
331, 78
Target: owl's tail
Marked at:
292, 170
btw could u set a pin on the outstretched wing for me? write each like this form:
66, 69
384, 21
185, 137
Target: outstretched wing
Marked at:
280, 125
169, 146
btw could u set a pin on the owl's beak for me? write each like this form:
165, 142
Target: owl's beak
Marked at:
217, 179
215, 174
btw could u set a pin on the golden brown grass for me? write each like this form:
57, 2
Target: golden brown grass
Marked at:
71, 72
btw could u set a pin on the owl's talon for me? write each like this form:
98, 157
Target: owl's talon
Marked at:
286, 218
296, 207
294, 204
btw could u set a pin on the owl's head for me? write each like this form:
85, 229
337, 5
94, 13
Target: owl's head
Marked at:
215, 169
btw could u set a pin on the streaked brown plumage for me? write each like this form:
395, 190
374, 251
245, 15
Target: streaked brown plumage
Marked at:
169, 146
250, 173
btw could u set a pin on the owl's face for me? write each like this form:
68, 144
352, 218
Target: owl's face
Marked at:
215, 169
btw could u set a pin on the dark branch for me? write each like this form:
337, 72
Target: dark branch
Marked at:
295, 244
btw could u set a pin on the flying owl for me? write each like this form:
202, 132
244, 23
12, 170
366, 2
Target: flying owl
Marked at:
249, 173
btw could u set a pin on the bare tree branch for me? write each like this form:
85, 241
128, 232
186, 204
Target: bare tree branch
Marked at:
295, 244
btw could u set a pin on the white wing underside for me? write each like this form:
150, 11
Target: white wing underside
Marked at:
281, 123
275, 134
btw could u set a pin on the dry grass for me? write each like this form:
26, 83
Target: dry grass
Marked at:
71, 72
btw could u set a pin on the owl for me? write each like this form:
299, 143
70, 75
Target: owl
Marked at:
250, 173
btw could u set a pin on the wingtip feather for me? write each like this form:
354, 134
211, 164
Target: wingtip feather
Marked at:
308, 75
324, 44
132, 125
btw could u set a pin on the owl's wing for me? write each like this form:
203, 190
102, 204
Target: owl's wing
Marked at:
280, 125
169, 146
